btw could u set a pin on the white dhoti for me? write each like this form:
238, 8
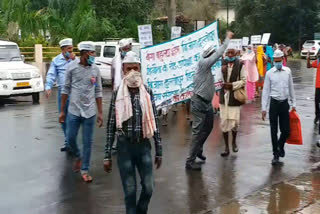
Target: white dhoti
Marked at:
230, 115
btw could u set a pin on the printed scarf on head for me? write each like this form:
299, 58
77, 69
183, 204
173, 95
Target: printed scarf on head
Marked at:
124, 109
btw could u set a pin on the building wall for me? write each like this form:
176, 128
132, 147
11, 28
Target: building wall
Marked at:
222, 14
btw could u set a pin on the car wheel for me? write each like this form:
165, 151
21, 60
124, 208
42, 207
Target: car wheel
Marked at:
36, 98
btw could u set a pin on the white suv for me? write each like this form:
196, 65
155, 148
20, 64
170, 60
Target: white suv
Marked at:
105, 52
312, 46
16, 77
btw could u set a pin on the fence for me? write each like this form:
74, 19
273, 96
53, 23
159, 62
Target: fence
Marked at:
41, 56
48, 53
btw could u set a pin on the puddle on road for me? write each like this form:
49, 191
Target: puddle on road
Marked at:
296, 196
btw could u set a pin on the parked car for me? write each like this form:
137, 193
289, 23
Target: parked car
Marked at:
105, 52
16, 77
312, 46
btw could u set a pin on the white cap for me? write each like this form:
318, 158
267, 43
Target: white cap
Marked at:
65, 42
131, 57
277, 54
125, 42
86, 46
208, 49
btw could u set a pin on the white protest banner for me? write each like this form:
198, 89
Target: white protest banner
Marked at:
245, 41
175, 32
265, 38
168, 68
145, 35
256, 39
235, 44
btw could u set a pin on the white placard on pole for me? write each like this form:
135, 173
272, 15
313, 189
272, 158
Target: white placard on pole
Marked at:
256, 39
235, 44
175, 32
245, 41
265, 38
145, 35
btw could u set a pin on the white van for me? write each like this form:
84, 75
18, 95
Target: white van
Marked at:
312, 46
105, 52
16, 77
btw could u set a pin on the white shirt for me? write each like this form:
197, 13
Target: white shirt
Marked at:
279, 86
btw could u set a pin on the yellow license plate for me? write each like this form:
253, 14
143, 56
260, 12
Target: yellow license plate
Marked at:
23, 84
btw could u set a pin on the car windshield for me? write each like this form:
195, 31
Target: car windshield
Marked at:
310, 42
98, 50
9, 53
109, 51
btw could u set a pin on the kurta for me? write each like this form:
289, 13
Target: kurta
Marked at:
250, 66
230, 115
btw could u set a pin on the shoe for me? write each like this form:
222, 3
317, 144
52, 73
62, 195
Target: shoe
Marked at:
275, 160
202, 157
235, 148
282, 153
193, 166
225, 154
65, 149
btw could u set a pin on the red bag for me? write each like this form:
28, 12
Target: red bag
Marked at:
295, 129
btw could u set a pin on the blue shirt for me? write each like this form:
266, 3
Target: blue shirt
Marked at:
57, 71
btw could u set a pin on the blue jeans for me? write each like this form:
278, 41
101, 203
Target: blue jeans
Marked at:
132, 156
74, 123
63, 125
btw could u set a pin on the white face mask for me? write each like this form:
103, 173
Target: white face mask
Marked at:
133, 79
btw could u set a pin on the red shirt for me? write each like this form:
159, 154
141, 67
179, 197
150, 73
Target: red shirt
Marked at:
316, 64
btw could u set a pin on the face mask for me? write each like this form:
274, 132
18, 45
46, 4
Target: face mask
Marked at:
133, 79
230, 59
67, 55
123, 54
278, 65
249, 51
90, 60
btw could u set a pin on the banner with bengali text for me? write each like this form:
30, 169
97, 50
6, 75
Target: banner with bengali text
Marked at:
168, 68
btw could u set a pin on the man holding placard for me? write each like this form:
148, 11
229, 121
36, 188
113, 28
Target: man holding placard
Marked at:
201, 102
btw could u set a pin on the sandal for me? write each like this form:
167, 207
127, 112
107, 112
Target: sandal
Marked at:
86, 178
77, 165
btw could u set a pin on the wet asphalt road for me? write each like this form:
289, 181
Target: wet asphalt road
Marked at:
37, 178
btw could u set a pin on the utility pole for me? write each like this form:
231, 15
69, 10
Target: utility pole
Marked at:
227, 14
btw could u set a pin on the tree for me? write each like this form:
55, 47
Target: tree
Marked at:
283, 19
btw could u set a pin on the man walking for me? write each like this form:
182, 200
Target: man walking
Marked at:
278, 90
83, 85
125, 45
201, 102
133, 118
316, 64
57, 72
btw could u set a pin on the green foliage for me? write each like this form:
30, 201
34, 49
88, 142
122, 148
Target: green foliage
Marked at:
31, 41
289, 21
78, 19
